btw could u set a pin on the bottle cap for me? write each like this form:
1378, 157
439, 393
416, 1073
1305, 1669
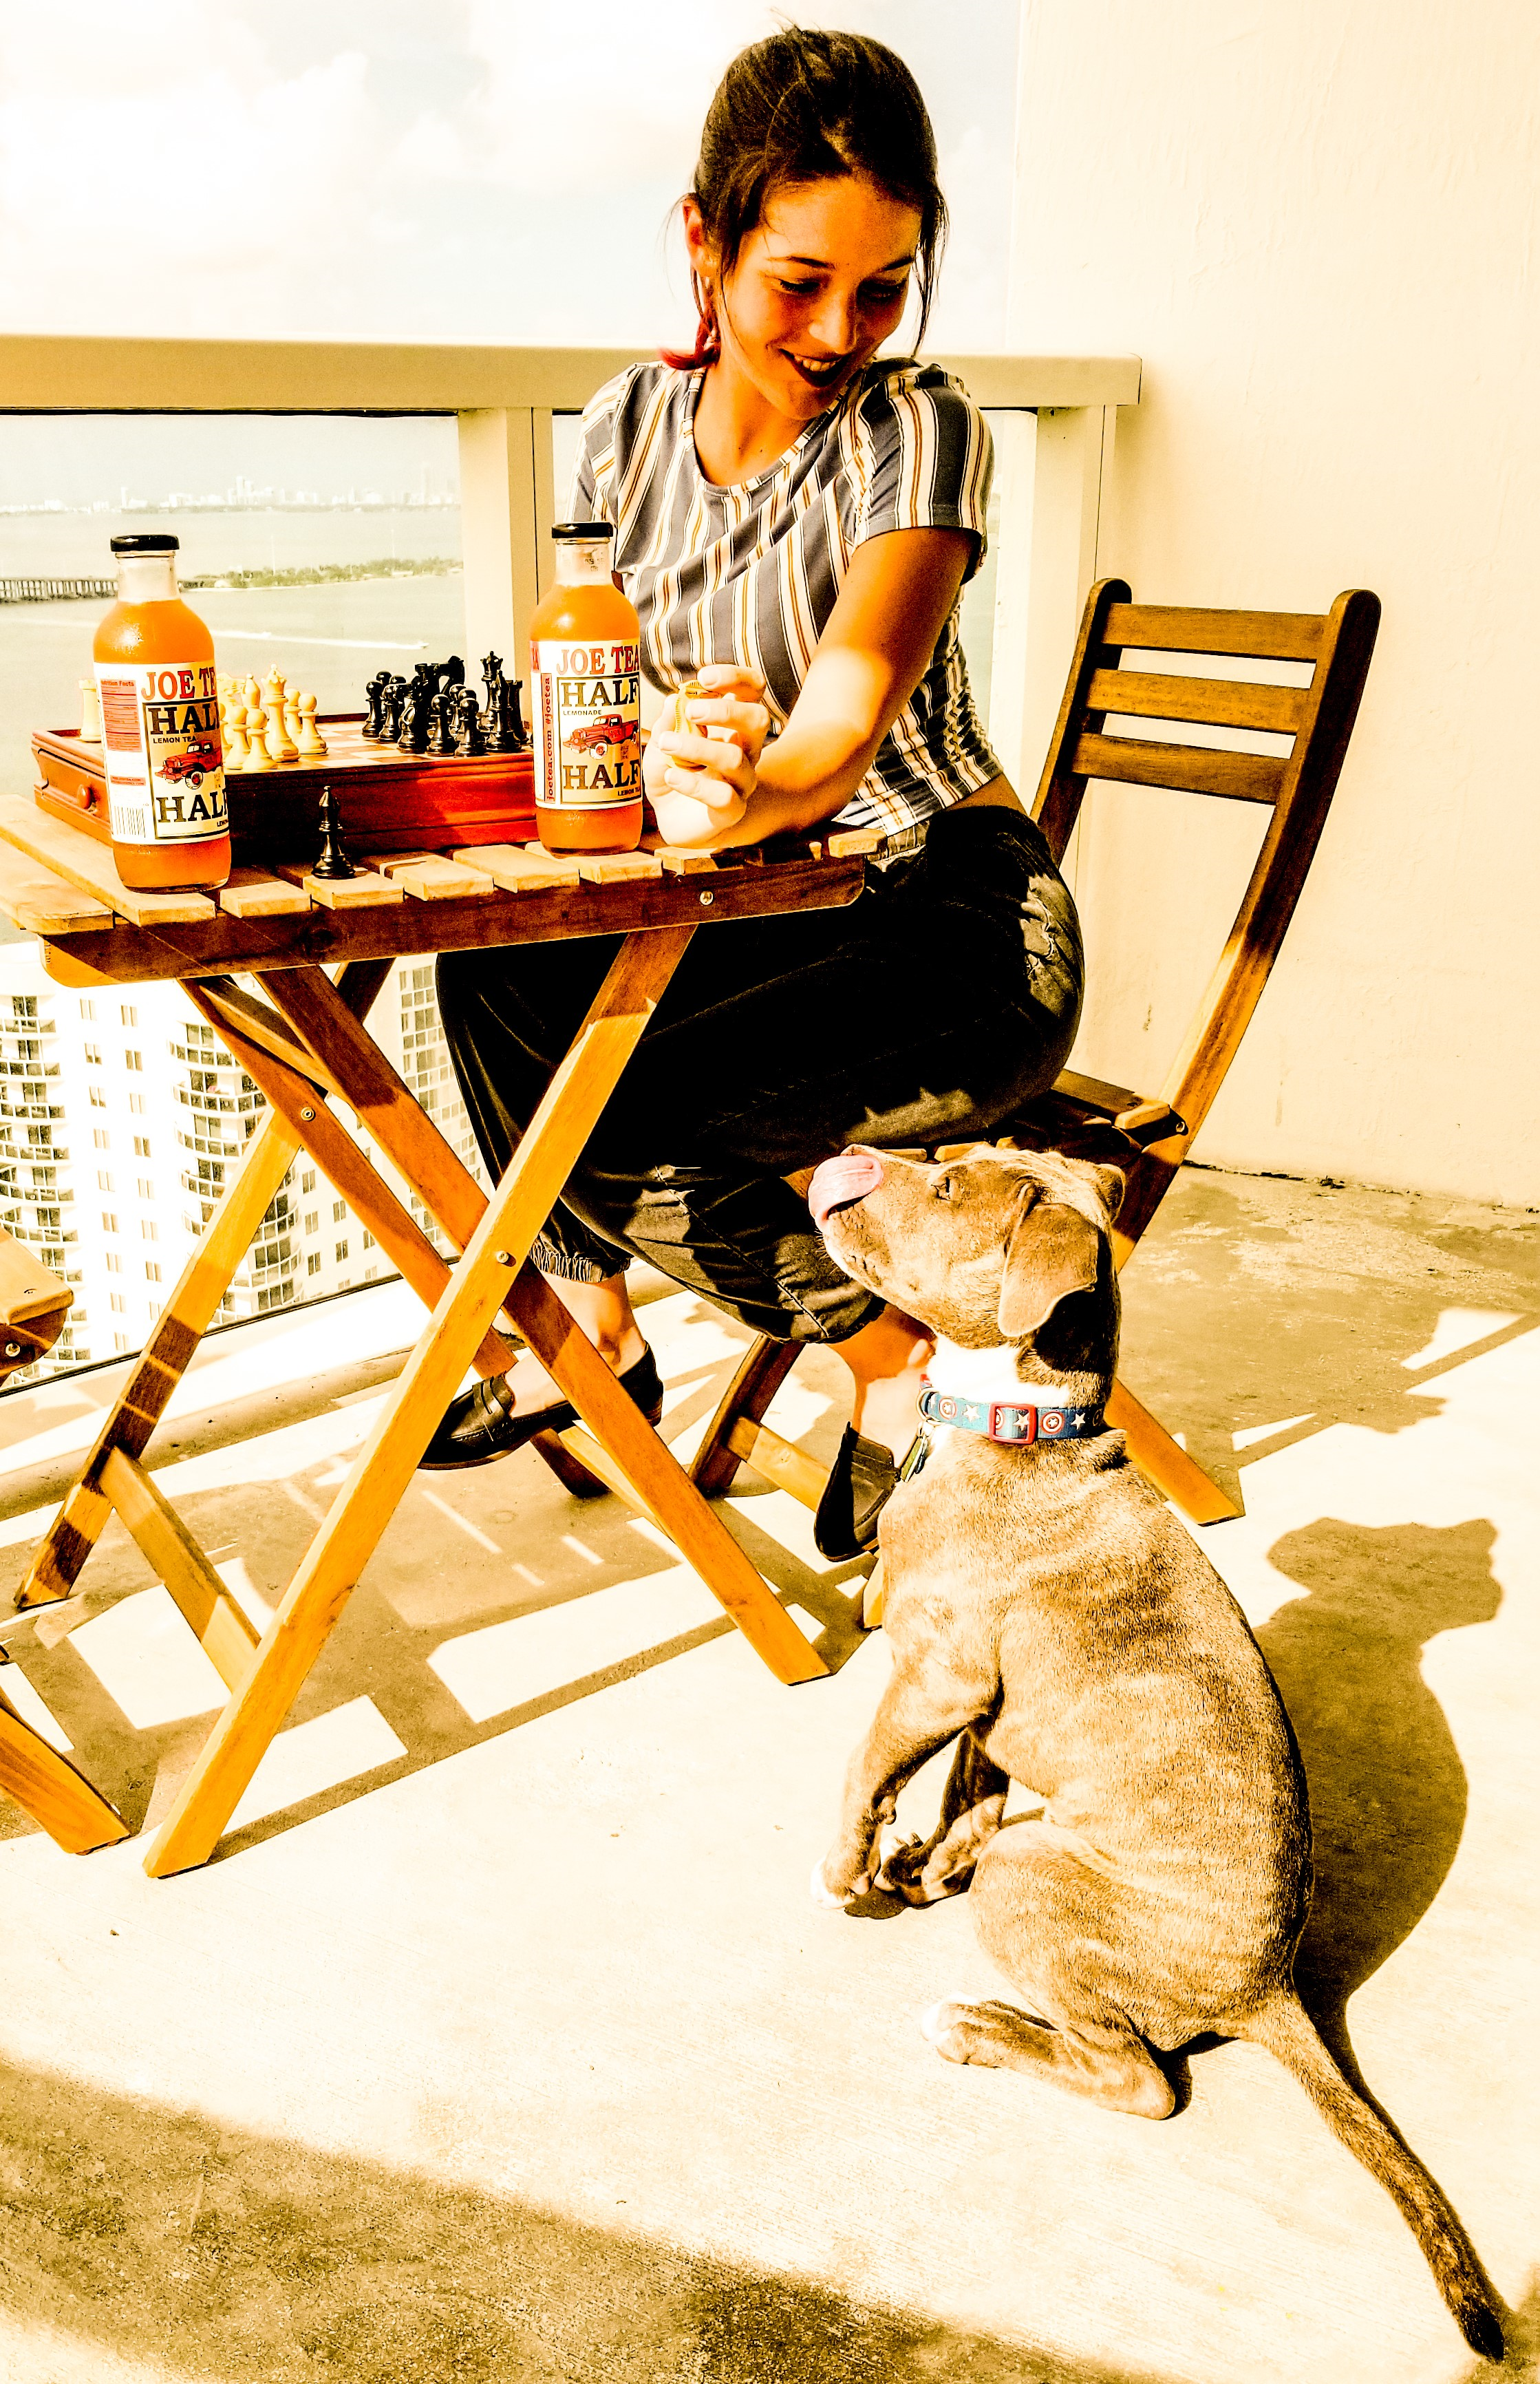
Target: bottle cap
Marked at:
155, 542
578, 529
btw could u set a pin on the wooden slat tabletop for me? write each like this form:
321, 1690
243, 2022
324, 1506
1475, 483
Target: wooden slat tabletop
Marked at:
57, 881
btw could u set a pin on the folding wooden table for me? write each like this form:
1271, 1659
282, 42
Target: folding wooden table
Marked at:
302, 1043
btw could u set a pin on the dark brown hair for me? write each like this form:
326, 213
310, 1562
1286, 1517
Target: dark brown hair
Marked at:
802, 107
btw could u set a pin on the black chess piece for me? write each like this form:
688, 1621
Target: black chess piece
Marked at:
416, 716
375, 691
451, 674
467, 721
513, 735
332, 860
443, 708
392, 696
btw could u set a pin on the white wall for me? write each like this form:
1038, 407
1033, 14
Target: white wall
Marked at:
1318, 224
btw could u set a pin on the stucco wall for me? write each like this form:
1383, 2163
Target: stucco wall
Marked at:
1318, 225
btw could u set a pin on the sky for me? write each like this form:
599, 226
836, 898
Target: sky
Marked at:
416, 169
452, 170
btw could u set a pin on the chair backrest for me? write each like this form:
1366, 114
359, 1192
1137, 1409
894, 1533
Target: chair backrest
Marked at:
1296, 788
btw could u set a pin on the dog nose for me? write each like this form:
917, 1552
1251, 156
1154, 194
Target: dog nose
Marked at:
841, 1181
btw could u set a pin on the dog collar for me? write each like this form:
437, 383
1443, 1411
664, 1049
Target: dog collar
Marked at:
1015, 1425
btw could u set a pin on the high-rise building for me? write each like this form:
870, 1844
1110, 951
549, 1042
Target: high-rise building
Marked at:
122, 1118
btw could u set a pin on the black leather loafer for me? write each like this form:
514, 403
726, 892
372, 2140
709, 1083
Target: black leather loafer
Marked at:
862, 1479
481, 1424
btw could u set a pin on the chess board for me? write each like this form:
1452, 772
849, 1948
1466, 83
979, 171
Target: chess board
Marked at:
387, 801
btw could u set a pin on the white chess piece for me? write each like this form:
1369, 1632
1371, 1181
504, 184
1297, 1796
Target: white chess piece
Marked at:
253, 693
311, 741
281, 745
259, 758
232, 730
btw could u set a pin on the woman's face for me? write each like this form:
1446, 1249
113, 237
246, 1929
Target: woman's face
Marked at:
819, 283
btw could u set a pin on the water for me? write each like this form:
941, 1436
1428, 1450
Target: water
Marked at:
328, 638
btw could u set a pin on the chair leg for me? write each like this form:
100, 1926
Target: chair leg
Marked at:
760, 1376
60, 1800
1178, 1476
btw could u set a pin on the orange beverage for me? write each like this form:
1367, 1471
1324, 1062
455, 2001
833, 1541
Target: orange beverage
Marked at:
161, 750
585, 669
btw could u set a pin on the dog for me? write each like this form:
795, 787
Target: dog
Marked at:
1048, 1613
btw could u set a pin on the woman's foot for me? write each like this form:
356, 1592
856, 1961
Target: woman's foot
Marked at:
862, 1479
503, 1413
887, 1359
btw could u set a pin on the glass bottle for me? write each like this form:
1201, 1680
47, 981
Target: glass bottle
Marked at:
585, 669
160, 728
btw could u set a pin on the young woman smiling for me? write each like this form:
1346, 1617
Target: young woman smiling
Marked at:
794, 521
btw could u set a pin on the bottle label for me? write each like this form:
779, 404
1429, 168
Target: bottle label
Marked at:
588, 722
161, 751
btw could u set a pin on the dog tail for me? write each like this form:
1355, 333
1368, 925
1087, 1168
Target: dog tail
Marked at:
1283, 2027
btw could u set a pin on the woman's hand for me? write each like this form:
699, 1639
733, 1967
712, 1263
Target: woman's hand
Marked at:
700, 786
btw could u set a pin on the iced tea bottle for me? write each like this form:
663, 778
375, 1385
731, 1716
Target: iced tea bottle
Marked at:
585, 667
160, 728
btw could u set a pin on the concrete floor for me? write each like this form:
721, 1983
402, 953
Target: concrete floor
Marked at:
501, 2040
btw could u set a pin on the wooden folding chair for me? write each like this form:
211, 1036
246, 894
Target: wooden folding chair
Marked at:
1148, 1135
33, 1305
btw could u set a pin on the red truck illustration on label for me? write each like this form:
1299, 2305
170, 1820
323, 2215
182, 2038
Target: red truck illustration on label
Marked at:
610, 730
194, 763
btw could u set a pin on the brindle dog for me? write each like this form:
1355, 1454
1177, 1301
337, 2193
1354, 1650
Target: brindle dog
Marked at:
1047, 1610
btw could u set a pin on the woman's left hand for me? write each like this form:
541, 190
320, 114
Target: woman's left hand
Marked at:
700, 786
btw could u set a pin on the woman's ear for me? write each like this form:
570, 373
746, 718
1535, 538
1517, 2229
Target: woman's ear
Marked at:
697, 238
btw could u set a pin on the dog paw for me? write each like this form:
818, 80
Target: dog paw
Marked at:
893, 1847
835, 1899
938, 2022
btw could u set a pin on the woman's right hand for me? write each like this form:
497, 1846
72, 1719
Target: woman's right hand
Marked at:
700, 785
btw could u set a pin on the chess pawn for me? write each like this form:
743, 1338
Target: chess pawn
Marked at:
374, 725
444, 707
467, 721
259, 757
238, 751
309, 738
281, 745
391, 698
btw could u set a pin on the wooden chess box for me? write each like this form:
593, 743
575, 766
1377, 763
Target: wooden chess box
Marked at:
385, 799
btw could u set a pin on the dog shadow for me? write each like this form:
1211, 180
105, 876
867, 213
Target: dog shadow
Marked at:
1387, 1787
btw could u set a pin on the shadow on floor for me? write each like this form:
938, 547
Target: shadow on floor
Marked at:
129, 2226
1254, 1302
394, 1622
1387, 1787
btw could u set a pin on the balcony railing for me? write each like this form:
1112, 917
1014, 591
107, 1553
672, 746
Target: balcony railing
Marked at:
504, 399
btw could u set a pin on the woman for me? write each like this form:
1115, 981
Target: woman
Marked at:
794, 522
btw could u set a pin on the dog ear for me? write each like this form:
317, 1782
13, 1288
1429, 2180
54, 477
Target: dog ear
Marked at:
1052, 1251
1111, 1184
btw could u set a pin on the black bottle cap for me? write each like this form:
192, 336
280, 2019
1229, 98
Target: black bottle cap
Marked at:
155, 542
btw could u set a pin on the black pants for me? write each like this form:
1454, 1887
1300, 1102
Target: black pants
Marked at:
926, 1011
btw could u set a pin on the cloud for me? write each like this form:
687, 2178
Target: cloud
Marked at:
418, 170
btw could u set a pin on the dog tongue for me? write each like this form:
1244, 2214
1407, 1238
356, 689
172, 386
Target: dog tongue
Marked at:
839, 1181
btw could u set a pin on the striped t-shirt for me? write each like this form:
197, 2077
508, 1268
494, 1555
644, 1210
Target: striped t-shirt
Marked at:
750, 574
